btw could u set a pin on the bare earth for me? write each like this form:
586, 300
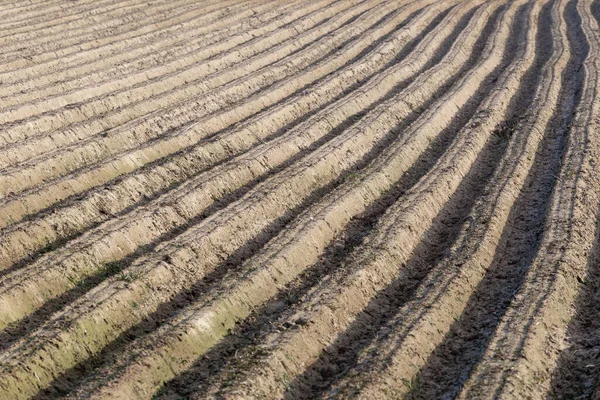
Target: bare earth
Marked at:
297, 199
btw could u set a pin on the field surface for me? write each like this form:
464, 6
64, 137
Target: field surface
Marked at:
299, 199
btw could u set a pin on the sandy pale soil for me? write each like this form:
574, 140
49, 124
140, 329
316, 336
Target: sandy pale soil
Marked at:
269, 199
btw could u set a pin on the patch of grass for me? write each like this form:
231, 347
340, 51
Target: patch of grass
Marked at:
286, 380
129, 276
505, 130
411, 384
73, 281
109, 269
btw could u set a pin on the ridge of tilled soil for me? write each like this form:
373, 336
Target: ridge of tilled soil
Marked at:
286, 199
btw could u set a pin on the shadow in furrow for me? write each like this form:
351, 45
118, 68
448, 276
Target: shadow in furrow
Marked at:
449, 366
16, 330
185, 175
70, 380
180, 41
577, 374
40, 48
175, 130
241, 348
341, 357
74, 105
451, 363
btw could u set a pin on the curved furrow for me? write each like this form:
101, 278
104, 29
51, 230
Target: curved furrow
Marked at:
181, 11
112, 54
182, 136
296, 249
308, 342
8, 9
206, 60
29, 67
329, 308
238, 82
334, 255
328, 210
50, 14
103, 18
198, 34
355, 193
463, 346
436, 305
34, 61
239, 347
131, 97
212, 238
44, 9
237, 172
38, 49
312, 131
49, 230
100, 12
541, 308
576, 374
366, 348
299, 200
317, 129
152, 60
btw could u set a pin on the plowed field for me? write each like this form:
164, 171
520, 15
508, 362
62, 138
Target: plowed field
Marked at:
299, 199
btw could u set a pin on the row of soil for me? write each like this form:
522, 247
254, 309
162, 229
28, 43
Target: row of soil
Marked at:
360, 140
370, 198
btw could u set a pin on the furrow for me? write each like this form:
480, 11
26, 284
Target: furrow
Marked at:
100, 14
248, 331
77, 64
38, 8
420, 325
180, 12
142, 91
50, 16
21, 68
296, 246
205, 61
149, 118
12, 37
359, 354
308, 134
463, 346
576, 374
46, 10
216, 237
319, 128
21, 10
330, 306
226, 34
183, 137
238, 172
48, 230
299, 200
542, 306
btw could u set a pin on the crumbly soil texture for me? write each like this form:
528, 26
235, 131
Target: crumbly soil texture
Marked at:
267, 199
